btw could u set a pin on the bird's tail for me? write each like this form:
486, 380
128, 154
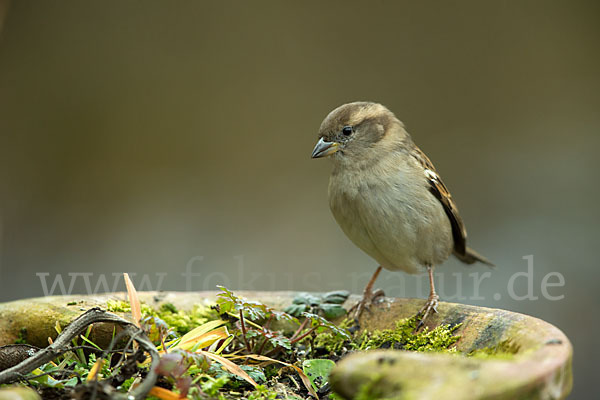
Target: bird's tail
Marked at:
471, 256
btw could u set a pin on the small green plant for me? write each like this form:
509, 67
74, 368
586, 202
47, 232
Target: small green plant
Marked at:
255, 319
256, 338
318, 371
328, 304
211, 386
237, 349
262, 393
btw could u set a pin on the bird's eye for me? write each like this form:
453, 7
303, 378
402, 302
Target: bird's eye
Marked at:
347, 130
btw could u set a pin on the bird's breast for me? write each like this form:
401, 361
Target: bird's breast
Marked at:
391, 217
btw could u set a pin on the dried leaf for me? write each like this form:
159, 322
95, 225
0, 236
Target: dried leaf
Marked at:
203, 336
229, 365
305, 379
205, 340
57, 327
134, 301
165, 394
95, 368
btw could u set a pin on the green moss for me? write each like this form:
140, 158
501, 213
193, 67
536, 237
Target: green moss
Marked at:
22, 339
181, 321
404, 337
506, 349
334, 343
377, 389
117, 306
168, 307
184, 321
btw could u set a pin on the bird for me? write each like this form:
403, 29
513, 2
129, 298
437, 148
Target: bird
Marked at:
388, 198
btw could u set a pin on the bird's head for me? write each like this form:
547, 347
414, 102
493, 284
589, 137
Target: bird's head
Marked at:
358, 132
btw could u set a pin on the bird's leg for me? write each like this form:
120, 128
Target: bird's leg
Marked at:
369, 295
432, 301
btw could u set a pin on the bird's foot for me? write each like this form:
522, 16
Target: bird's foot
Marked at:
430, 305
369, 298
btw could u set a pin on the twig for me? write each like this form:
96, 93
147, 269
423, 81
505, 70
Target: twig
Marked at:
244, 332
248, 322
295, 383
266, 339
300, 328
61, 345
299, 338
262, 346
123, 354
96, 350
268, 323
294, 338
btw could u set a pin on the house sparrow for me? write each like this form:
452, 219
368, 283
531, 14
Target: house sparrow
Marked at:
387, 196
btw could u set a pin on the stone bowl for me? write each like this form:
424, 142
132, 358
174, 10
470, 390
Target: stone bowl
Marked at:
540, 367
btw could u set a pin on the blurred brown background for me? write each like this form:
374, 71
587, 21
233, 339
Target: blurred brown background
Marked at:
151, 136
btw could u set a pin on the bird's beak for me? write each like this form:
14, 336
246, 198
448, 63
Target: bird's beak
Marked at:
324, 149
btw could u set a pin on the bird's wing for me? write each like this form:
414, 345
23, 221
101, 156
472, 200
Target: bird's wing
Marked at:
440, 191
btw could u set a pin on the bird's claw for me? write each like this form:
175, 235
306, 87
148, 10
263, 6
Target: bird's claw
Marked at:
430, 305
369, 298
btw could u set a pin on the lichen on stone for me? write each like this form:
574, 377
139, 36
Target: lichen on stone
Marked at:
505, 349
377, 388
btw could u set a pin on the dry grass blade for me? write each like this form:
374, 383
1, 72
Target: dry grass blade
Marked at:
134, 301
203, 336
164, 394
305, 379
94, 371
204, 340
229, 365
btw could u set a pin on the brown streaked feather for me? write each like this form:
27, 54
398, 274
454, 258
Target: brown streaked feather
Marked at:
440, 191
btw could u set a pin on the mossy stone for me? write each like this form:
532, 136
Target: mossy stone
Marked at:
538, 365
